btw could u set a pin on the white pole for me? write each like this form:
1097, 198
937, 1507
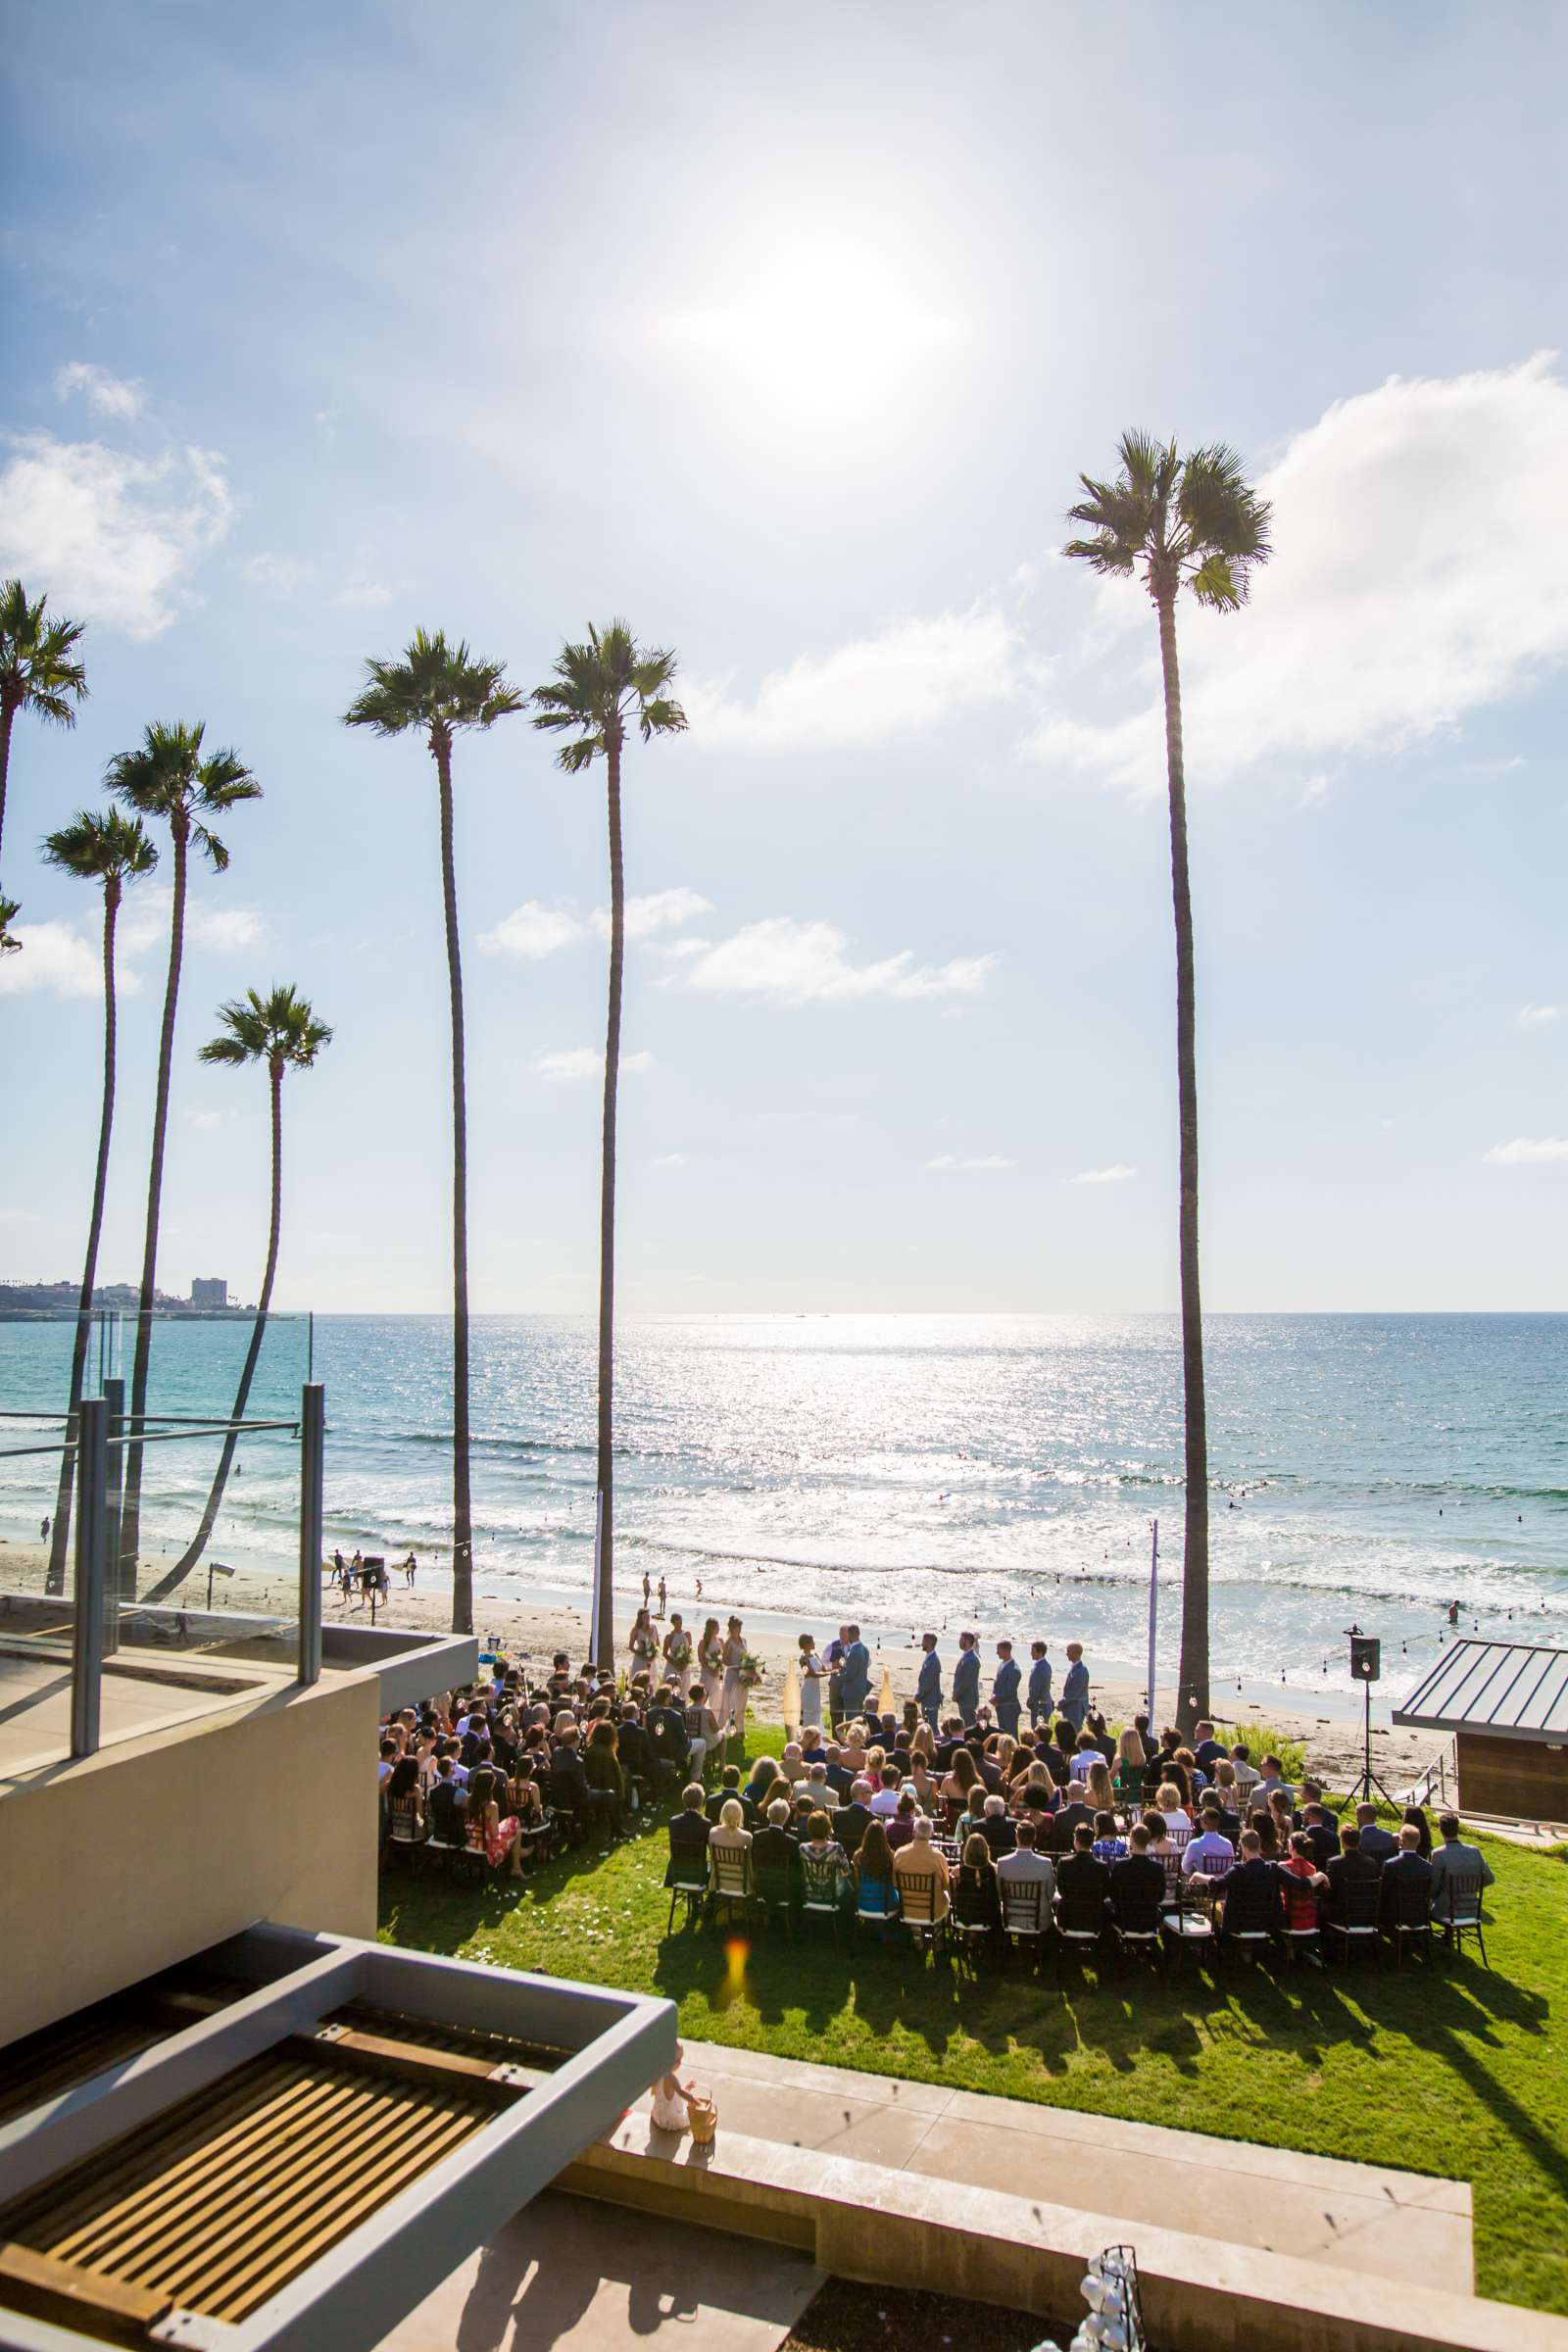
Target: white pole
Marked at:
1154, 1612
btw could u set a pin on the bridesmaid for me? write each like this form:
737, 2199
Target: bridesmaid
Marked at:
732, 1703
711, 1664
644, 1642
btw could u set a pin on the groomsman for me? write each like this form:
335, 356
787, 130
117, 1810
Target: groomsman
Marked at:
1038, 1685
928, 1690
855, 1674
967, 1679
1075, 1690
1004, 1691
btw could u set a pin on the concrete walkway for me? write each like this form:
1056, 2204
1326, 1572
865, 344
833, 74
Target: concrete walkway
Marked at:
1402, 2225
589, 2277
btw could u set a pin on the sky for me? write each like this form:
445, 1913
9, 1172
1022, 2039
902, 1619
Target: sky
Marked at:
785, 334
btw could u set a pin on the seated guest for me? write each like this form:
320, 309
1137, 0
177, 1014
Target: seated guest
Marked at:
996, 1830
824, 1864
666, 1734
689, 1832
1350, 1867
483, 1829
1026, 1865
1208, 1750
572, 1791
404, 1804
792, 1763
1085, 1756
729, 1785
1130, 1761
1071, 1814
920, 1861
1057, 1757
601, 1768
901, 1828
885, 1803
1265, 1828
1320, 1832
1301, 1883
852, 1821
730, 1837
875, 1889
633, 1753
1376, 1840
701, 1729
765, 1781
964, 1778
815, 1790
444, 1805
776, 1855
1102, 1734
1222, 1787
1247, 1776
1178, 1821
1136, 1884
1271, 1777
840, 1779
923, 1781
1210, 1854
1109, 1845
976, 1900
1083, 1884
1099, 1794
1416, 1819
1282, 1813
1406, 1876
1452, 1856
1252, 1892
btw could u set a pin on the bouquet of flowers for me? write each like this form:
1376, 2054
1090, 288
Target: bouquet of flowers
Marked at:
713, 1658
644, 1646
749, 1671
679, 1653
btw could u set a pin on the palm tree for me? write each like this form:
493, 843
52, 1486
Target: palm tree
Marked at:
10, 908
1182, 522
100, 845
598, 689
282, 1031
167, 777
443, 690
38, 672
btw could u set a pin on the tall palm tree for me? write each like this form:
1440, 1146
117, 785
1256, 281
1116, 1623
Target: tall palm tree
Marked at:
282, 1031
99, 846
38, 670
444, 690
598, 690
171, 778
1179, 522
10, 908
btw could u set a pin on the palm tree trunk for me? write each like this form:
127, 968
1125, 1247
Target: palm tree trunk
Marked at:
130, 1507
56, 1579
199, 1541
1192, 1701
604, 1644
461, 1496
8, 715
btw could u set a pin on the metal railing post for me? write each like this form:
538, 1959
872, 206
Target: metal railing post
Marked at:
114, 1427
87, 1661
313, 1432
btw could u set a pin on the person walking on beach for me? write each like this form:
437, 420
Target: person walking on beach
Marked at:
1038, 1685
928, 1689
967, 1679
663, 1597
410, 1570
43, 1532
855, 1674
1004, 1689
1075, 1690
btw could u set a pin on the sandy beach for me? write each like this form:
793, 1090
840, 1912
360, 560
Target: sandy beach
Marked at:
533, 1627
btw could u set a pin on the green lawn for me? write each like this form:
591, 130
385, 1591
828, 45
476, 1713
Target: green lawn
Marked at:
1459, 2070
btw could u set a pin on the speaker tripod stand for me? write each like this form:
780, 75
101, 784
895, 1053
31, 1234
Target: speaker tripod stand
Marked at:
1361, 1792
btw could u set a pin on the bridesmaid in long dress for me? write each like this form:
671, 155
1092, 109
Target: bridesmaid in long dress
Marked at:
732, 1705
810, 1667
711, 1664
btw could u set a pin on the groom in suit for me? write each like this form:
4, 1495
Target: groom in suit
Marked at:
967, 1678
855, 1674
1004, 1691
1038, 1685
928, 1690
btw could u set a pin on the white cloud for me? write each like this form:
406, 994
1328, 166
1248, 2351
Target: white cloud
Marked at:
905, 679
949, 1164
799, 963
224, 929
205, 1119
53, 957
364, 596
115, 536
1527, 1151
19, 1216
110, 395
587, 1061
535, 930
285, 573
670, 1159
1417, 575
1535, 1016
221, 929
1116, 1173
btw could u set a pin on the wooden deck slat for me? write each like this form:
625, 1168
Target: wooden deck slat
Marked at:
71, 2199
60, 2292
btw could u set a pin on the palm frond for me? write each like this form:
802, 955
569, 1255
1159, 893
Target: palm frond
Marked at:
281, 1027
435, 686
10, 908
100, 845
39, 670
599, 686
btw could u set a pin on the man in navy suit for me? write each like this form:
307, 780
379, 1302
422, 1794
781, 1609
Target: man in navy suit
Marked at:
928, 1690
855, 1674
967, 1678
1004, 1689
1038, 1685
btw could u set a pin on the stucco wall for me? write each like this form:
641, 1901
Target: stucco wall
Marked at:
152, 1850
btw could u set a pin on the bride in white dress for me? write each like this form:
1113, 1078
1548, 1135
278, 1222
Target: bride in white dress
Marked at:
811, 1670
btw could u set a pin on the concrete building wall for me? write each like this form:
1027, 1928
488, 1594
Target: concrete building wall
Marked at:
152, 1850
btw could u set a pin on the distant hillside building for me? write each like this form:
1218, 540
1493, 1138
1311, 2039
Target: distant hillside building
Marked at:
209, 1290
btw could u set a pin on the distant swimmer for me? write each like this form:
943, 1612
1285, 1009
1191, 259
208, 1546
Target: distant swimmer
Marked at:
1453, 1612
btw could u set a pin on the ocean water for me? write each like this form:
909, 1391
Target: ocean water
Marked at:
906, 1470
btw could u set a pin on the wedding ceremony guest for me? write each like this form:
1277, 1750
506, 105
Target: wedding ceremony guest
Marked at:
1075, 1690
901, 1828
967, 1679
976, 1897
776, 1851
855, 1674
921, 1860
851, 1820
876, 1885
999, 1833
1004, 1689
1375, 1841
1406, 1867
1416, 1819
1083, 1882
729, 1785
1350, 1866
1454, 1855
1026, 1865
688, 1833
928, 1689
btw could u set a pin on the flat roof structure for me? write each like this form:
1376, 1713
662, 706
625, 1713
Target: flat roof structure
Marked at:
1505, 1690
